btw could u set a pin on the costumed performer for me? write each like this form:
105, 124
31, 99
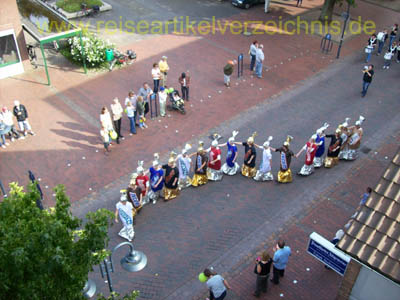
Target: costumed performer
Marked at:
231, 167
285, 174
200, 169
264, 172
344, 135
250, 155
171, 178
124, 211
354, 141
214, 171
311, 148
184, 164
134, 194
334, 148
156, 179
143, 182
320, 140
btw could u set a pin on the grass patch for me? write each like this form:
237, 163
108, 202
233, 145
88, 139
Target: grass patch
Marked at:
72, 6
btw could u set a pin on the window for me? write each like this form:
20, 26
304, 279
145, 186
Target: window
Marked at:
8, 50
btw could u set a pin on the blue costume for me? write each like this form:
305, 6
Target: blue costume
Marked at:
231, 167
155, 176
318, 160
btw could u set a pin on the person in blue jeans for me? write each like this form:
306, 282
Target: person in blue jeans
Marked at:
367, 79
130, 112
370, 47
280, 260
393, 34
252, 52
381, 37
259, 61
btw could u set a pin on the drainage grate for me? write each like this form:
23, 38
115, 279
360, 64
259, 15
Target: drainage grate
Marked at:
365, 150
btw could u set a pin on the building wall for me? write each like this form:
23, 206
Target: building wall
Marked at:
9, 18
348, 281
371, 285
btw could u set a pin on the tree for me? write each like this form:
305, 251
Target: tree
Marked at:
329, 5
47, 254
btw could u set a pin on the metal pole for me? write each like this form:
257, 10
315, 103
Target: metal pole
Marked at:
45, 64
2, 189
83, 53
108, 278
344, 28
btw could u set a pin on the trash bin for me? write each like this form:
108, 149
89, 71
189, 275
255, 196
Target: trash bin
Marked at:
109, 54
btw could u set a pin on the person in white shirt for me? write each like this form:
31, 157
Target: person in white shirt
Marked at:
105, 119
259, 61
156, 74
7, 117
130, 112
125, 213
162, 99
117, 111
252, 52
132, 98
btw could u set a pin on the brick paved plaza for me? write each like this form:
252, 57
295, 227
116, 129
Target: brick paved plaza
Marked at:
225, 224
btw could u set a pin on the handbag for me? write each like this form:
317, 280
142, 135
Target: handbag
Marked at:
113, 134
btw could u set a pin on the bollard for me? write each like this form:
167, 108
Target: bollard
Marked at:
326, 44
240, 65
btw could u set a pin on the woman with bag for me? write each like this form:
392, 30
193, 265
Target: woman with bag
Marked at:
262, 269
107, 124
370, 47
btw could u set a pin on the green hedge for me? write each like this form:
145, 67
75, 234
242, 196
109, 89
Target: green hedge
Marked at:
75, 5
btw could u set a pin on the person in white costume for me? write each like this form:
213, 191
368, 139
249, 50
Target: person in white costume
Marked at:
264, 172
124, 211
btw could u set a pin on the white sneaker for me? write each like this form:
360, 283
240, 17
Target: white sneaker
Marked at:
154, 201
21, 137
3, 146
12, 139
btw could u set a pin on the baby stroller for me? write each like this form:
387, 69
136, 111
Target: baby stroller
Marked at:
177, 103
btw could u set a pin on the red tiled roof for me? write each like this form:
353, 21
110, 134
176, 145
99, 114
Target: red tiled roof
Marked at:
374, 236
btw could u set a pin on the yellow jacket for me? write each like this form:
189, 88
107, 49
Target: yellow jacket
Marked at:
163, 65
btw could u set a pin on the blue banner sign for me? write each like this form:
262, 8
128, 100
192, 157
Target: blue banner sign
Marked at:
325, 251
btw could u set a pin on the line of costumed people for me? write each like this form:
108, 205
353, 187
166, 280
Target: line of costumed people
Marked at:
167, 180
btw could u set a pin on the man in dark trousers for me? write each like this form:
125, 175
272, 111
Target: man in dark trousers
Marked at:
367, 78
184, 80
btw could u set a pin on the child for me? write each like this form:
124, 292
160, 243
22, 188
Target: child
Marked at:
106, 139
142, 121
140, 108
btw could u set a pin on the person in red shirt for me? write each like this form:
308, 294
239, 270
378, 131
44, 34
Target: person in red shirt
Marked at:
214, 171
143, 182
311, 148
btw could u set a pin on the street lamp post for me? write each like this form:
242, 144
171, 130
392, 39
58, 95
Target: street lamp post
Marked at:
346, 16
134, 261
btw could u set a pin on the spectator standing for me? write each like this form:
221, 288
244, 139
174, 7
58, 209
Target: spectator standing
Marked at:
381, 37
132, 99
21, 114
140, 108
398, 52
262, 269
130, 112
105, 136
156, 74
105, 119
117, 111
164, 68
252, 52
184, 80
7, 118
393, 34
259, 61
216, 284
367, 78
370, 47
266, 7
3, 131
228, 70
146, 93
162, 98
280, 259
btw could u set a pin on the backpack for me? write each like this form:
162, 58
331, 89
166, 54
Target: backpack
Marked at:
381, 36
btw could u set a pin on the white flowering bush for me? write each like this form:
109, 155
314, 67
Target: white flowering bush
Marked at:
95, 50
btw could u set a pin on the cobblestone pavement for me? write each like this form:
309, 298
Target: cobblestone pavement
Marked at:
221, 224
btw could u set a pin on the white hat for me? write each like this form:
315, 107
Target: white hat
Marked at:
266, 143
322, 129
214, 143
288, 140
339, 234
345, 123
155, 161
164, 57
123, 197
186, 149
16, 103
314, 137
140, 168
232, 138
360, 121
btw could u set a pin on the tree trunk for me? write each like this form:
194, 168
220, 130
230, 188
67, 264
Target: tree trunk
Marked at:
327, 11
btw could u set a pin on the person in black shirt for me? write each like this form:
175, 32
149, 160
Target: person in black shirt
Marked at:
250, 154
200, 167
285, 174
332, 158
367, 78
393, 34
171, 190
262, 269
